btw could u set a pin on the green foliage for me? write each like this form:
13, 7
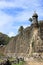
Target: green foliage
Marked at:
20, 63
33, 44
30, 19
4, 39
21, 30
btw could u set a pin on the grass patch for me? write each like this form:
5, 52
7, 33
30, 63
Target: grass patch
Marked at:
20, 63
11, 59
1, 54
1, 60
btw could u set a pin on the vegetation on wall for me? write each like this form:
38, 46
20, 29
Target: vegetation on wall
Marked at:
4, 39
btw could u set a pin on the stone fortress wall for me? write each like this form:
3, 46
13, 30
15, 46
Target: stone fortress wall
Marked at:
30, 41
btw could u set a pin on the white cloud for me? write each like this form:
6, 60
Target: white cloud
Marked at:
20, 3
4, 19
10, 34
16, 3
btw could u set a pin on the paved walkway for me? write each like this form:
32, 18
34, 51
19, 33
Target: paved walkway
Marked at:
33, 63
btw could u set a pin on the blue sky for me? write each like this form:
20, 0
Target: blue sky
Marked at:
14, 13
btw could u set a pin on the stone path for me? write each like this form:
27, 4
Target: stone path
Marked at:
33, 63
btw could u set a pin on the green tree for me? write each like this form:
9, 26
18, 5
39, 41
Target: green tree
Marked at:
21, 30
4, 39
30, 19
